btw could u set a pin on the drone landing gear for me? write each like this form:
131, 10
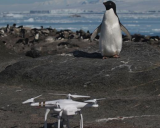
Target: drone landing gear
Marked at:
65, 121
59, 119
81, 119
45, 120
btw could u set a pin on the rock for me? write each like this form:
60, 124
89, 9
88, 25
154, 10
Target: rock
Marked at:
45, 31
66, 35
130, 83
137, 38
155, 38
75, 15
125, 38
49, 39
33, 53
138, 63
23, 41
66, 45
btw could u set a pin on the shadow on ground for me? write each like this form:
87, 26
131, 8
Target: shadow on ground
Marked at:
87, 55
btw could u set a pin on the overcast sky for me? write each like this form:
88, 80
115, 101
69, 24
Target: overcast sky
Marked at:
4, 2
27, 5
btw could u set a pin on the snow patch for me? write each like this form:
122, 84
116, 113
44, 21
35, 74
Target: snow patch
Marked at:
125, 64
13, 15
123, 118
29, 20
156, 30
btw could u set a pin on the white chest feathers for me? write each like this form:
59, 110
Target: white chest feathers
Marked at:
37, 36
110, 35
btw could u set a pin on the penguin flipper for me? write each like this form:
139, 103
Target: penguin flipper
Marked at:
125, 31
95, 33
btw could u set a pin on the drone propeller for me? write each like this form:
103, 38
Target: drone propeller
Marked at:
31, 100
94, 100
73, 96
79, 96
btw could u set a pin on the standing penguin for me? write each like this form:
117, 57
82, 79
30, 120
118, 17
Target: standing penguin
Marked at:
110, 43
36, 38
7, 28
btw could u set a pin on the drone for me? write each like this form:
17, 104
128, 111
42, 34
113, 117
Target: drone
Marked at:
65, 109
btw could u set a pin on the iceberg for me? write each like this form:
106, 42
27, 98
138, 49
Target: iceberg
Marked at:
13, 15
29, 20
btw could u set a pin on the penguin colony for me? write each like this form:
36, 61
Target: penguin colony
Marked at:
33, 41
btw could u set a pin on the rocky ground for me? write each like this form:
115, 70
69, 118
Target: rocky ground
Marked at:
67, 62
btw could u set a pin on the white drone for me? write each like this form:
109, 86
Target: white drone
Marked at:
64, 108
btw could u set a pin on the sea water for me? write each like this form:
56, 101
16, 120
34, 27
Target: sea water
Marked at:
136, 23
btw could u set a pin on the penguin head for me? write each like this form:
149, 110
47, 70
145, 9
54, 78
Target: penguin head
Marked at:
14, 25
109, 5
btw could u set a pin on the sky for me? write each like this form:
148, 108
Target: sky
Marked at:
27, 5
9, 2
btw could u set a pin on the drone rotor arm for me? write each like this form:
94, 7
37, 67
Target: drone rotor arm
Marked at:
31, 100
79, 96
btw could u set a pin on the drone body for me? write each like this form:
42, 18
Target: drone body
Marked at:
64, 108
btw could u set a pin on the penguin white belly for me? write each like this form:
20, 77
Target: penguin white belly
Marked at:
37, 36
111, 36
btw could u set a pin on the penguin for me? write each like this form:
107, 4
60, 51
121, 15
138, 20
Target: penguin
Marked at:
2, 33
23, 32
110, 42
14, 25
36, 38
7, 28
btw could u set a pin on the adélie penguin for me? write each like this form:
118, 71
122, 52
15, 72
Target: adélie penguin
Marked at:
110, 42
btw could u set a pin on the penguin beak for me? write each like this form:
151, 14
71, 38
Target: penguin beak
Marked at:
104, 3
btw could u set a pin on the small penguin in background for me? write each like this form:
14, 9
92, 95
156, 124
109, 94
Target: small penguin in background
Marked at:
14, 25
23, 32
110, 42
2, 33
7, 28
36, 38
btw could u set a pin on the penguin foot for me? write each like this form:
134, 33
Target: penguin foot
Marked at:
116, 56
104, 57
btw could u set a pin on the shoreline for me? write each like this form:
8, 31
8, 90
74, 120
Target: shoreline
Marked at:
74, 30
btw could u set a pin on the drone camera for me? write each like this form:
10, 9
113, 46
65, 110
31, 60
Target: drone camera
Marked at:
70, 110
